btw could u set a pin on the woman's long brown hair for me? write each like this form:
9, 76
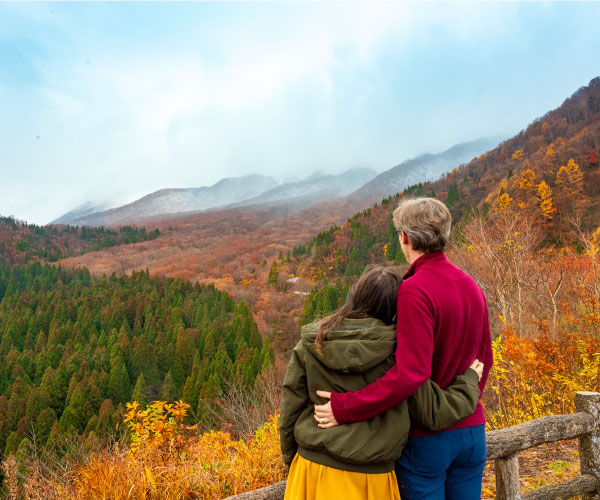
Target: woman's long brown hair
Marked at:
372, 296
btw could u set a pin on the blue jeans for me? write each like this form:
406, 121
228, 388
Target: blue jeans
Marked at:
444, 466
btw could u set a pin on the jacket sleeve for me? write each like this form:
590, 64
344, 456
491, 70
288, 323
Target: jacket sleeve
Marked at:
435, 409
294, 399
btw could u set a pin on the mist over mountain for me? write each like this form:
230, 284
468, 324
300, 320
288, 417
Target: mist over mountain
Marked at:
360, 185
175, 200
316, 188
88, 208
423, 168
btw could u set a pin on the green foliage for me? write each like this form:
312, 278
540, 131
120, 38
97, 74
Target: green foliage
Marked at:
321, 302
453, 195
25, 242
414, 190
298, 250
76, 348
273, 274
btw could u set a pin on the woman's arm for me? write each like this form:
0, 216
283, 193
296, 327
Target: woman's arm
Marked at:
294, 398
435, 409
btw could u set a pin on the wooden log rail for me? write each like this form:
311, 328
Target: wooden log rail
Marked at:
504, 446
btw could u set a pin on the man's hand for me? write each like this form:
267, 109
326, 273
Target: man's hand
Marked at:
323, 413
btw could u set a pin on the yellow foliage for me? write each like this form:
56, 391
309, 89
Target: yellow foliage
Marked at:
158, 429
504, 201
518, 154
569, 176
532, 378
527, 179
209, 466
593, 243
545, 199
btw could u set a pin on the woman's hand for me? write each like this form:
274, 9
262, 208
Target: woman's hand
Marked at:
478, 367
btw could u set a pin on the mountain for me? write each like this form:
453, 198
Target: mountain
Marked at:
172, 201
81, 211
316, 188
423, 168
548, 174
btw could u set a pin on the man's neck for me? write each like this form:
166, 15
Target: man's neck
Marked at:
412, 256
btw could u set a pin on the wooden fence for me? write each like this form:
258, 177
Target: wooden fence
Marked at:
504, 446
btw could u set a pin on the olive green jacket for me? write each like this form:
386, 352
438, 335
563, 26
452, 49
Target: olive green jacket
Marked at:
356, 354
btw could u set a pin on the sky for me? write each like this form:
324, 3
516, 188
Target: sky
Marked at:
107, 102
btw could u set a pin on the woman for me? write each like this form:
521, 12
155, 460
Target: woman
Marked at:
345, 352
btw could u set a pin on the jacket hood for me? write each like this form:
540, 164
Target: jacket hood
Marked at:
355, 346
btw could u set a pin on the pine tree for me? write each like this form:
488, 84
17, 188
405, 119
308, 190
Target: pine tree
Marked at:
167, 391
139, 391
118, 386
273, 274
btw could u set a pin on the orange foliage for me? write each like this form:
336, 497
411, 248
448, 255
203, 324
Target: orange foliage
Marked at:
209, 466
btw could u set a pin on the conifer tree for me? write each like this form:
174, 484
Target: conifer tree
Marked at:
139, 391
118, 385
273, 274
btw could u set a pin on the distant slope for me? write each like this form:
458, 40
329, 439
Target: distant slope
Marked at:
549, 173
423, 168
87, 208
21, 242
316, 188
173, 201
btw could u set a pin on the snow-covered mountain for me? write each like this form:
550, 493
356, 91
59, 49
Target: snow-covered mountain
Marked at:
423, 168
360, 186
314, 189
81, 211
172, 201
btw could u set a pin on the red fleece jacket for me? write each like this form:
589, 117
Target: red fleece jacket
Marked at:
443, 325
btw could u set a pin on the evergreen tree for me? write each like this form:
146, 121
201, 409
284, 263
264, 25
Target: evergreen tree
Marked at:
139, 391
118, 385
273, 274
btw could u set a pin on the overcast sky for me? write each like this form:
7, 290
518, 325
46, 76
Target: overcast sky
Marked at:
111, 101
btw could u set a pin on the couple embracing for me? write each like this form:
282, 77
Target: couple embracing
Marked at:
382, 399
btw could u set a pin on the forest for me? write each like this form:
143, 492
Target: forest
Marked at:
21, 242
77, 348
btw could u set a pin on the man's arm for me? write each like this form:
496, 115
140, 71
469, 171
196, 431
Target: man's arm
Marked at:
414, 353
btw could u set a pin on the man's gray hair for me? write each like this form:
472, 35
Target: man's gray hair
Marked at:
426, 222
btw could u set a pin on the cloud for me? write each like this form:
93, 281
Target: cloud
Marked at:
129, 98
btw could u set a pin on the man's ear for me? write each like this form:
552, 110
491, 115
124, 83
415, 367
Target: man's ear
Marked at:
405, 240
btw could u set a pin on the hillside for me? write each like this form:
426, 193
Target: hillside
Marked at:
75, 349
550, 173
21, 242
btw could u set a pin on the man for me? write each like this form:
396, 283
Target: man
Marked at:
443, 324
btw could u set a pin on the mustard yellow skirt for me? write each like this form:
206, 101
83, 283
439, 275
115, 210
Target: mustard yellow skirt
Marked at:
311, 481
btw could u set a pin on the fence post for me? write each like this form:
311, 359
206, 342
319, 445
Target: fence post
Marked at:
508, 485
589, 444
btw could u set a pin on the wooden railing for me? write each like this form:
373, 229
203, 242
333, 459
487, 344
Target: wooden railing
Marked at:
504, 446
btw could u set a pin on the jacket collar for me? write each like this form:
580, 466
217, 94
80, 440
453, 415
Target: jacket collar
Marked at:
424, 261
